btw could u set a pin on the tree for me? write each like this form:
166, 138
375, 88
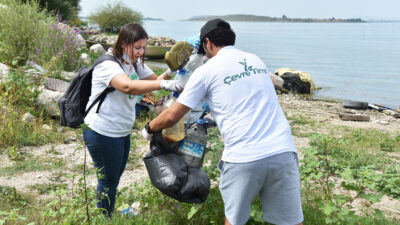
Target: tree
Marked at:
284, 17
112, 18
67, 9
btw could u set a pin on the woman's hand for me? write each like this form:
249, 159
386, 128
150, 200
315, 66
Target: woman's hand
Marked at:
171, 85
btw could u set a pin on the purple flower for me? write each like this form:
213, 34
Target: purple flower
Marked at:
38, 51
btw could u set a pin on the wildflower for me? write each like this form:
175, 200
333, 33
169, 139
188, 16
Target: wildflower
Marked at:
38, 50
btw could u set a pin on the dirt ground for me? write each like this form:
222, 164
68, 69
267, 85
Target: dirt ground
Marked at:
317, 110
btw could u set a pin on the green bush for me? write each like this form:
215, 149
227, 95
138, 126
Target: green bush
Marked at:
22, 27
112, 18
29, 33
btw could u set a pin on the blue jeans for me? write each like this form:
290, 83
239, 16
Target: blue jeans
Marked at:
109, 156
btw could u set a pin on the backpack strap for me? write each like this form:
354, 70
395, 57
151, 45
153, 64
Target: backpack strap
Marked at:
103, 94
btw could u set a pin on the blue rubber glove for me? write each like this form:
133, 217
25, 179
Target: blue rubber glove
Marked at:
194, 41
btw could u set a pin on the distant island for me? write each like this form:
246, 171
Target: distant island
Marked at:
284, 18
149, 18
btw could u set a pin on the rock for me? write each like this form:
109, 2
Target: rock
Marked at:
277, 81
56, 85
160, 41
384, 122
60, 129
97, 49
391, 113
103, 38
70, 139
296, 81
46, 127
111, 39
4, 70
89, 31
353, 117
67, 75
294, 84
81, 42
85, 58
27, 117
35, 66
49, 100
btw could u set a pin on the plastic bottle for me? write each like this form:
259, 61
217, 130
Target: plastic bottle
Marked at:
177, 131
182, 76
193, 147
195, 61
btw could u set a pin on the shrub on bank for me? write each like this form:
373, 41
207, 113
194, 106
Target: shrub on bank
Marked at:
111, 18
30, 33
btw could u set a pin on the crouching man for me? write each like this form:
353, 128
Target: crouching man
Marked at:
259, 155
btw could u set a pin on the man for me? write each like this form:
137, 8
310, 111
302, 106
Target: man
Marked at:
259, 155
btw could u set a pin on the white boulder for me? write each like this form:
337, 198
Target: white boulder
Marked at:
49, 100
27, 117
67, 75
4, 70
85, 58
97, 49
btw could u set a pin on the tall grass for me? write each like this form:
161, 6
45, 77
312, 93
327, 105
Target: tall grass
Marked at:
18, 95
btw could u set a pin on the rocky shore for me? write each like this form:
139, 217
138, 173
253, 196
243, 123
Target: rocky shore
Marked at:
111, 39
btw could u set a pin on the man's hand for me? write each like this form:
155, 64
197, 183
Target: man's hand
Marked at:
171, 85
147, 133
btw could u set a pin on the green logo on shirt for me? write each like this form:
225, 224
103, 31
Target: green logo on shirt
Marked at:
248, 71
133, 76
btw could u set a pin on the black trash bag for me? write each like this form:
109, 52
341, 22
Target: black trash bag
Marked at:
293, 83
169, 173
196, 188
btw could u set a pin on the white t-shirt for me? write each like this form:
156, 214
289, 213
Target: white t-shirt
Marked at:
243, 102
117, 113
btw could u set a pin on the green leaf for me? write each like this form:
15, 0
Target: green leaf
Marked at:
347, 174
193, 210
328, 209
123, 206
373, 198
378, 213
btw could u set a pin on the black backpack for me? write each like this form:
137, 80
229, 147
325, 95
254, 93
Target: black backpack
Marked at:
73, 103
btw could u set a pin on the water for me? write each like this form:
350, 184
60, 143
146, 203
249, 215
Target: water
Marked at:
349, 61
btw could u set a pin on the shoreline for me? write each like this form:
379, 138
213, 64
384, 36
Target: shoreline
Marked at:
160, 64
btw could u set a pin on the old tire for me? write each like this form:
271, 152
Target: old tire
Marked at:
355, 105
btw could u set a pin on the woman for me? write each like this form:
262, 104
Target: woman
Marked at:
108, 136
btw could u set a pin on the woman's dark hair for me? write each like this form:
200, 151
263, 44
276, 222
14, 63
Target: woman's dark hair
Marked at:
221, 37
130, 33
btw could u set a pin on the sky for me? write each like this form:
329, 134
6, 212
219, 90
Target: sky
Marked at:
180, 10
